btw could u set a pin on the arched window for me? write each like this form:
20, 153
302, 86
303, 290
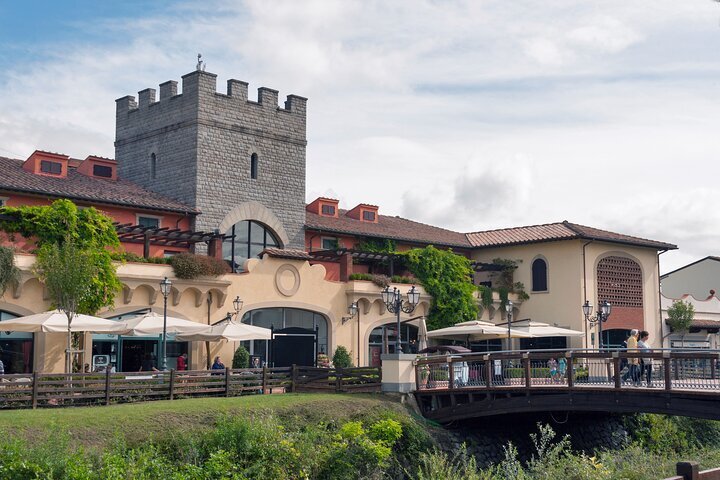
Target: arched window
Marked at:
153, 166
16, 348
539, 275
254, 166
245, 240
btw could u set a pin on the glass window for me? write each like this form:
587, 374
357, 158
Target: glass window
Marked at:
329, 243
539, 275
153, 165
328, 210
368, 215
102, 171
16, 348
254, 166
246, 239
152, 222
53, 168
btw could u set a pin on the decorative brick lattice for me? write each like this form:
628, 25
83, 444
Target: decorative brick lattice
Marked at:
619, 281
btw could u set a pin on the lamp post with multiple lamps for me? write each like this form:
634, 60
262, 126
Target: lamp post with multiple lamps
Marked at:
600, 316
394, 303
165, 287
508, 310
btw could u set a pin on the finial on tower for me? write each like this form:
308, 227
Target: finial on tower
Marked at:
200, 65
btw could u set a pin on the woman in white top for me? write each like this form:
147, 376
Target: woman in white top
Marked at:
644, 346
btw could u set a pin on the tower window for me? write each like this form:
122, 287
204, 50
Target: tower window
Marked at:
254, 166
153, 165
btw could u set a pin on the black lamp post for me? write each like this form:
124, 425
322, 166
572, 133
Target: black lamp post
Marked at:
600, 316
165, 287
508, 310
394, 303
237, 306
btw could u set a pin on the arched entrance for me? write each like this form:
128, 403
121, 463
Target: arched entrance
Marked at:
384, 338
16, 348
291, 346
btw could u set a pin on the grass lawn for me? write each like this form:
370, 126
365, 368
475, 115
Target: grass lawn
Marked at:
138, 422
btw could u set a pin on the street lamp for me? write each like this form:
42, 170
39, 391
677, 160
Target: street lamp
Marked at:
600, 316
165, 287
394, 303
508, 309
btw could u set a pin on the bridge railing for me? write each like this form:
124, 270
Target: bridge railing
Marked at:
609, 369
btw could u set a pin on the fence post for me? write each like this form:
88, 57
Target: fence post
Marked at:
227, 381
488, 371
616, 369
570, 369
526, 366
107, 386
688, 470
451, 374
338, 380
417, 376
34, 389
264, 379
713, 368
293, 378
172, 384
668, 374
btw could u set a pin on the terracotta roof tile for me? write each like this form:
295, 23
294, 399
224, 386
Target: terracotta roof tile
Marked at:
83, 188
290, 254
395, 228
557, 231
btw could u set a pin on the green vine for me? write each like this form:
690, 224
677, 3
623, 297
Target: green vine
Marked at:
90, 231
505, 279
486, 296
376, 245
9, 273
446, 276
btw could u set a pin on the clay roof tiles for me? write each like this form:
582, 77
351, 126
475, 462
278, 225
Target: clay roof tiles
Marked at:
84, 188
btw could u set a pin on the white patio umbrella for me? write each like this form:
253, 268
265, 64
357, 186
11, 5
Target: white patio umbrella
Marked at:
539, 329
151, 324
422, 334
55, 321
476, 330
234, 332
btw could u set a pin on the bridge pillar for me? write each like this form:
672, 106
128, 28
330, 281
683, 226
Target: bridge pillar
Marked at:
398, 372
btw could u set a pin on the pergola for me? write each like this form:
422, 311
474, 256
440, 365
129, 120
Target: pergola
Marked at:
171, 237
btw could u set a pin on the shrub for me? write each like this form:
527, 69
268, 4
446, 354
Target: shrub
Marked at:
241, 359
9, 273
342, 358
188, 266
680, 316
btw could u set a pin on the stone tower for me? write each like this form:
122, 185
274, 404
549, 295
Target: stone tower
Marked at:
230, 157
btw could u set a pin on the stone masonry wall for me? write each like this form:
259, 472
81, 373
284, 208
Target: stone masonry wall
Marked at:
203, 141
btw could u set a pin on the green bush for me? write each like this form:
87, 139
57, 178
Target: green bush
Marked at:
188, 266
241, 358
341, 358
535, 372
9, 273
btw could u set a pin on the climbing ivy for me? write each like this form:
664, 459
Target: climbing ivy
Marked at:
505, 284
486, 296
90, 231
376, 245
447, 277
9, 273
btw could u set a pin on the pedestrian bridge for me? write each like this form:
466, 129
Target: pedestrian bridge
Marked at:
674, 382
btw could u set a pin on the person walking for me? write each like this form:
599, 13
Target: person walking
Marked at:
644, 346
633, 372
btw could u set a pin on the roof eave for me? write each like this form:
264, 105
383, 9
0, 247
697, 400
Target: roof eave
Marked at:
402, 239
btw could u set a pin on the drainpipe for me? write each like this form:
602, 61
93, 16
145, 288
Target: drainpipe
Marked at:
207, 344
585, 326
662, 327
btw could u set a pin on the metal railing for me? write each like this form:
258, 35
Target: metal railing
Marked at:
668, 369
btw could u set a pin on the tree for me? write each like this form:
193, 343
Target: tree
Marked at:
341, 358
9, 273
680, 316
69, 274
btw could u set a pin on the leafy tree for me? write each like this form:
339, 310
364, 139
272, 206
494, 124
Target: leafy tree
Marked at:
341, 358
88, 229
241, 359
680, 316
68, 273
447, 277
9, 273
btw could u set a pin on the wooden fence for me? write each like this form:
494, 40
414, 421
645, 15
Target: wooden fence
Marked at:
58, 389
691, 471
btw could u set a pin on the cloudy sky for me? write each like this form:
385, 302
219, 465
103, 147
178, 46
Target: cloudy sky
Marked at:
470, 115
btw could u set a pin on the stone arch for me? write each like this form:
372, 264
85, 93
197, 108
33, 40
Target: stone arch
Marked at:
258, 212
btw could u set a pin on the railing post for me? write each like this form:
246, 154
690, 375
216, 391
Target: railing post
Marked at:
616, 368
338, 380
488, 371
172, 384
227, 381
570, 369
107, 386
34, 389
688, 470
526, 364
713, 368
417, 376
451, 373
264, 379
293, 378
666, 367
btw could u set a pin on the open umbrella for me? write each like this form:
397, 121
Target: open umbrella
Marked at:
55, 321
538, 329
234, 332
476, 330
152, 324
440, 349
422, 334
